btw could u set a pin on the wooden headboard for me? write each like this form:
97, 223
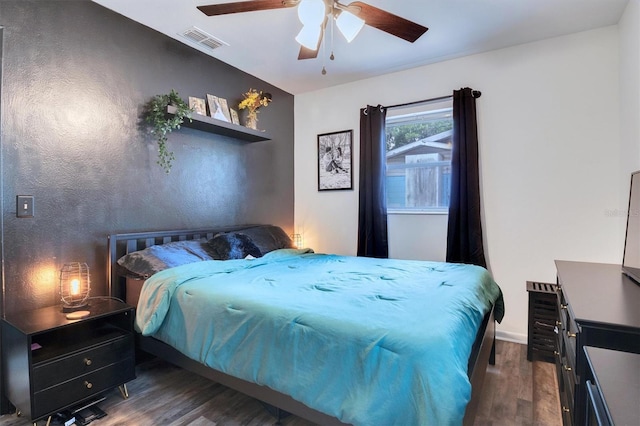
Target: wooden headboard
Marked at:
121, 244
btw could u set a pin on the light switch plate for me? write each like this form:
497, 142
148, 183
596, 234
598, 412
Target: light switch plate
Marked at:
24, 206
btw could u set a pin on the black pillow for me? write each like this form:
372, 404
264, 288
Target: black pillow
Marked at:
268, 238
232, 245
144, 263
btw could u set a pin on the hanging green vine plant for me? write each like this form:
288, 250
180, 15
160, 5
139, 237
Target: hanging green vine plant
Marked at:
163, 124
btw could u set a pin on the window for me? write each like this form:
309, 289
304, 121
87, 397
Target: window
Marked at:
419, 142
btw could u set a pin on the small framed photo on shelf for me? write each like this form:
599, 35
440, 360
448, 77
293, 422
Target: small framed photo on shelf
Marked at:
335, 161
225, 109
234, 116
197, 105
218, 108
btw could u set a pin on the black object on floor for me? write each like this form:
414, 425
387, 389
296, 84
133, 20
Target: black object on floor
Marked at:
64, 418
89, 414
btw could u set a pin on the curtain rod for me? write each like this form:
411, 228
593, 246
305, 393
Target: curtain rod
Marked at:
474, 93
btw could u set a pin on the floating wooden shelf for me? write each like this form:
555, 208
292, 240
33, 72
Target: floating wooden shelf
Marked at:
212, 125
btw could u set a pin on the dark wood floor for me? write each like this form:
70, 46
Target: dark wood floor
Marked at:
516, 392
519, 392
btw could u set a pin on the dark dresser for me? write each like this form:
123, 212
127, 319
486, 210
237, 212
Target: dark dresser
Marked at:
51, 363
598, 306
612, 382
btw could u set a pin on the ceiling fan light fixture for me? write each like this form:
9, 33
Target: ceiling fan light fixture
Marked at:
309, 36
311, 12
349, 25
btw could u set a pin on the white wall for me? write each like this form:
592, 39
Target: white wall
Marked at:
550, 153
630, 88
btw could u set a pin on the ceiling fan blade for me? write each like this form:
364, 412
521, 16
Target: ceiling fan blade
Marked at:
306, 53
387, 22
245, 6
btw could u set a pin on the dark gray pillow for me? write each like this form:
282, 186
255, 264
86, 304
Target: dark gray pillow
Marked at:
144, 263
232, 245
268, 238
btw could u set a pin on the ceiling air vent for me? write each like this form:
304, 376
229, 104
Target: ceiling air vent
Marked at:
201, 38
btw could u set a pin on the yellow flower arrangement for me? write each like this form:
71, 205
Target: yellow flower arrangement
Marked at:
252, 101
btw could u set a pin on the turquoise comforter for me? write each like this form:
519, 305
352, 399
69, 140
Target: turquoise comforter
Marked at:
369, 341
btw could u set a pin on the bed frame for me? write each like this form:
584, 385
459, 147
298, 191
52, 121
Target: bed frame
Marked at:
483, 352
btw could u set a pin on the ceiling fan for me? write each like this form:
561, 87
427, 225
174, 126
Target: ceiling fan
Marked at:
315, 14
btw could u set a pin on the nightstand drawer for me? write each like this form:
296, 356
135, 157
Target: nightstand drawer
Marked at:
70, 392
62, 369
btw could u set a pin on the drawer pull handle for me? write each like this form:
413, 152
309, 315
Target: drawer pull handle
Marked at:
87, 361
558, 323
570, 334
556, 353
89, 385
566, 409
566, 368
563, 306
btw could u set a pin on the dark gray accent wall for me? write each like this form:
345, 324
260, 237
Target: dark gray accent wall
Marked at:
76, 77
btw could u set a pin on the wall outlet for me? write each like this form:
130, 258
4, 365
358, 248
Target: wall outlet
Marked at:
24, 206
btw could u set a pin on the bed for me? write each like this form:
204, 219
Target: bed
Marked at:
333, 339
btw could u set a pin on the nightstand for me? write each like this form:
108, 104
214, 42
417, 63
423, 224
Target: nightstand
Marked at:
51, 363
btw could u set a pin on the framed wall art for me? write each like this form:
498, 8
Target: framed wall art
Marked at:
335, 162
218, 108
197, 105
234, 116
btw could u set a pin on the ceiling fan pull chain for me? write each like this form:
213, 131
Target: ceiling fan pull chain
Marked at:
324, 50
332, 19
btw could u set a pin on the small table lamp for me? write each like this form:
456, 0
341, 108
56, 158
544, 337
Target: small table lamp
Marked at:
75, 284
297, 240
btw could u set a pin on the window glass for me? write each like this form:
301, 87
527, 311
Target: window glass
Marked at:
419, 157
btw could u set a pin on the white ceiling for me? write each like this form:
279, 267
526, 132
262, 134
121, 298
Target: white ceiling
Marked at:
262, 43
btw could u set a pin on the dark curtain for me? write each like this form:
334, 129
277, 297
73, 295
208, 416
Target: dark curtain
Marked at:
372, 213
464, 235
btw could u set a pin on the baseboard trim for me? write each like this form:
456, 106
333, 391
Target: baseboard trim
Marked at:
511, 337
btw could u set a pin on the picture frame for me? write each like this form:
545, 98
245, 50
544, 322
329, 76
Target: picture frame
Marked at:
235, 119
197, 105
217, 107
335, 161
225, 109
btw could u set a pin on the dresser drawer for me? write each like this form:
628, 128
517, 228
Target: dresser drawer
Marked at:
66, 368
82, 387
568, 382
567, 330
596, 412
567, 388
569, 338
